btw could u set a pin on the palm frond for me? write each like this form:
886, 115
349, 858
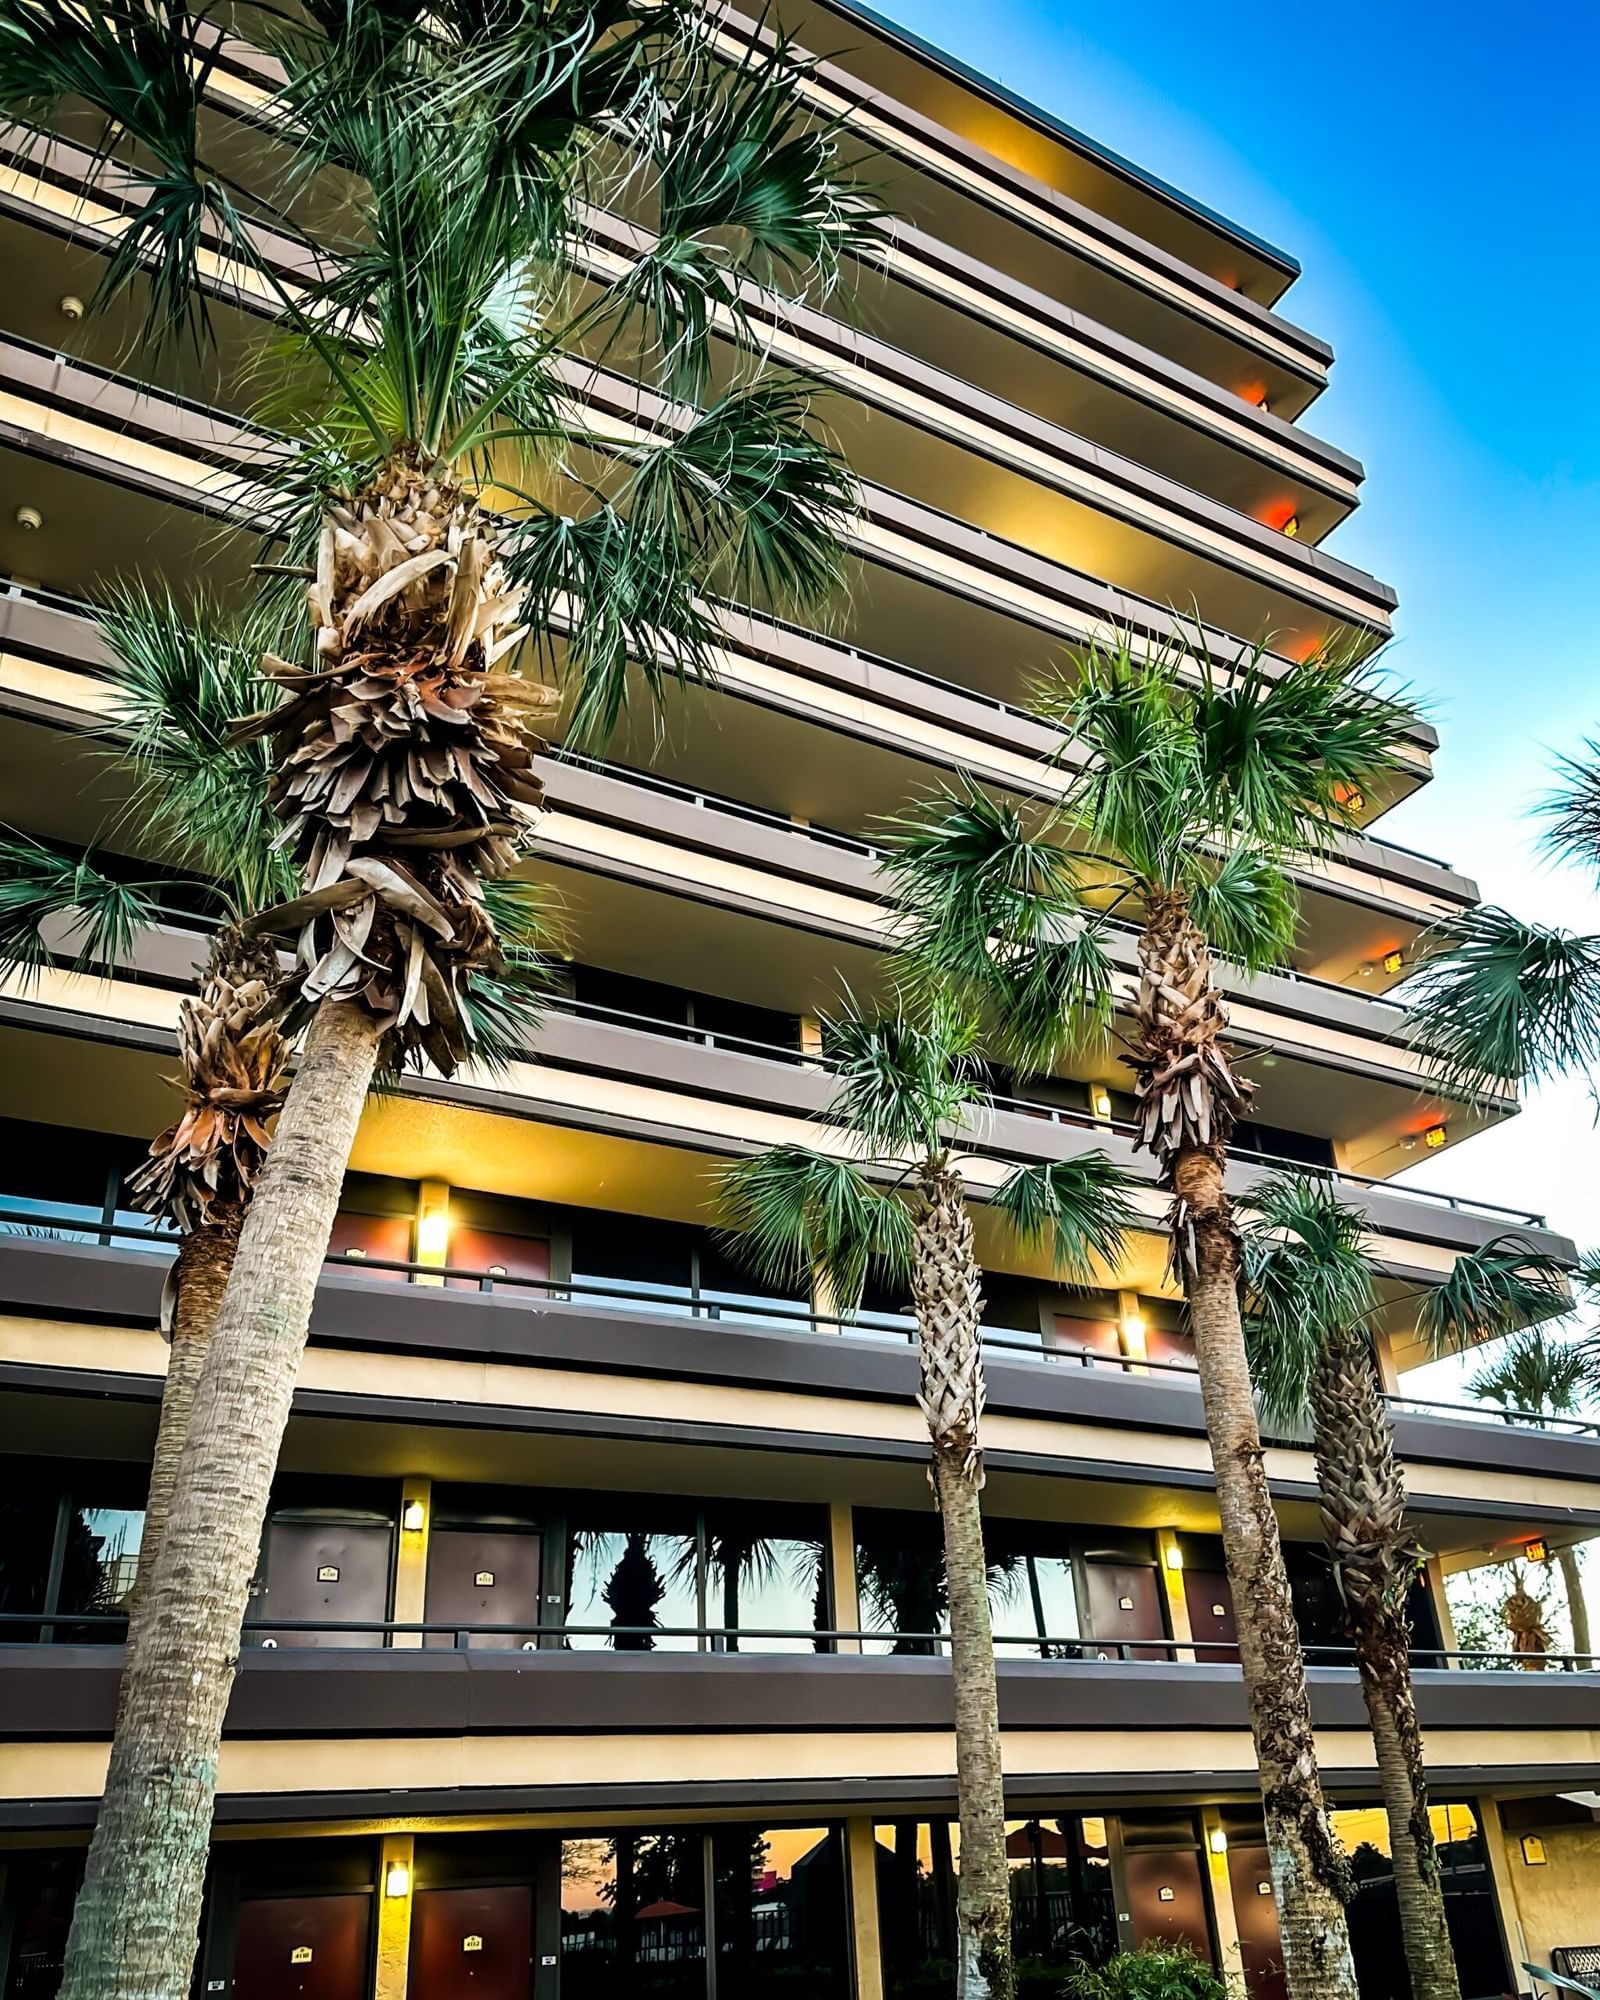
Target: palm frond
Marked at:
144, 65
904, 1082
751, 189
504, 1004
1497, 1289
53, 903
1571, 812
181, 676
753, 496
1246, 907
993, 908
1080, 1210
791, 1214
1306, 1279
1497, 1002
1539, 1374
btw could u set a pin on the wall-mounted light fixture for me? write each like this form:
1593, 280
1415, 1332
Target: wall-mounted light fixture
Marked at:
1217, 1841
1174, 1556
433, 1235
413, 1517
397, 1879
1100, 1101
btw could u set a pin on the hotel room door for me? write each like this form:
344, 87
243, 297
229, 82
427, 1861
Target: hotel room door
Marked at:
472, 1944
302, 1948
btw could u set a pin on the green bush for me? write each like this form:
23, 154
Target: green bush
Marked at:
1153, 1972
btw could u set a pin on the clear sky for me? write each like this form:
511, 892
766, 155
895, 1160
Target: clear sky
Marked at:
1432, 167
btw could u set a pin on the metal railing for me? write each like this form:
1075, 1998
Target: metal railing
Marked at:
1064, 1649
695, 1303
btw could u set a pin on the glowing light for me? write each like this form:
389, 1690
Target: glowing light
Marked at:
1218, 1841
413, 1517
1537, 1551
433, 1235
397, 1881
1100, 1102
1434, 1138
1291, 527
1174, 1556
1393, 961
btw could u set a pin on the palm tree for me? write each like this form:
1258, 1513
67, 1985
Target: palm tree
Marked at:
1199, 787
450, 501
893, 1193
1542, 1377
1311, 1296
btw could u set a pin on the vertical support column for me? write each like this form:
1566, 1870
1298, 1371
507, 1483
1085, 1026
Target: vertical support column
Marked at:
1224, 1920
861, 1863
810, 1038
1130, 1330
1388, 1374
1502, 1874
1169, 1554
396, 1873
825, 1305
411, 1558
1433, 1571
842, 1572
433, 1227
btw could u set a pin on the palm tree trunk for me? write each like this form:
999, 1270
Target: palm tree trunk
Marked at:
200, 1277
1382, 1645
1375, 1557
1309, 1872
1577, 1606
136, 1925
946, 1289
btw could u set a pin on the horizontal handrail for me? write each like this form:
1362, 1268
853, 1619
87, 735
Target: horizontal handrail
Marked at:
1074, 1647
1562, 1422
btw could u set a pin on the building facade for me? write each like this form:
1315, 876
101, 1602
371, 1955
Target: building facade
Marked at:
596, 1649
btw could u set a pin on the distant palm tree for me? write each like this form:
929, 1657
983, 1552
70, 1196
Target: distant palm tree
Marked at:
1311, 1296
451, 499
1199, 787
907, 1091
1546, 1377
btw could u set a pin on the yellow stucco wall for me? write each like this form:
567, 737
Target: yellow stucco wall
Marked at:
1558, 1902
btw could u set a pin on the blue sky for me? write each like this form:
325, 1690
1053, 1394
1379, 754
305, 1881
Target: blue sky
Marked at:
1433, 169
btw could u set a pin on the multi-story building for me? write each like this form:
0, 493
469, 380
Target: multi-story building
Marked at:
596, 1649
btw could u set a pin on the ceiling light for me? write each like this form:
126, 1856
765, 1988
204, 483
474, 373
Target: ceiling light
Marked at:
29, 519
1434, 1138
1409, 1143
70, 306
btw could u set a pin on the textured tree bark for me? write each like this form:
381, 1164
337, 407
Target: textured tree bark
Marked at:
1375, 1557
946, 1287
136, 1925
1383, 1656
1308, 1869
204, 1261
1577, 1607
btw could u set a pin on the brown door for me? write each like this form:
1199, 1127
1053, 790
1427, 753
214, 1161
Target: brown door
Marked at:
332, 1571
1209, 1596
1255, 1912
472, 1944
1167, 1899
302, 1948
356, 1238
483, 1577
1125, 1605
499, 1256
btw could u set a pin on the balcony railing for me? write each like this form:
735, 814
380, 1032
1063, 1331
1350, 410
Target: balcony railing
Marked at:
1065, 1649
694, 1303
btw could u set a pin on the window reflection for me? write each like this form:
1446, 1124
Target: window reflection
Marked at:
780, 1923
633, 1917
67, 1545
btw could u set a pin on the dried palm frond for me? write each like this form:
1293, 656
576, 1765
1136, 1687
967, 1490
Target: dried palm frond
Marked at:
407, 774
234, 1075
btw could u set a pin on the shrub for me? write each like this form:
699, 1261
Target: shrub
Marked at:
1153, 1972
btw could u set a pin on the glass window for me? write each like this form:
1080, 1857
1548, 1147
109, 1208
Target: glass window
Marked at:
633, 1917
900, 1580
613, 1255
1062, 1903
632, 1567
29, 1510
767, 1567
39, 1894
1033, 1595
99, 1561
68, 1546
919, 1866
780, 1912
